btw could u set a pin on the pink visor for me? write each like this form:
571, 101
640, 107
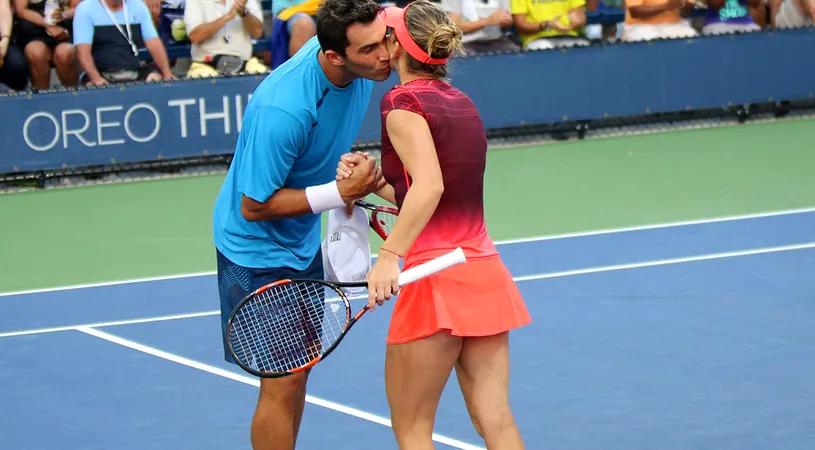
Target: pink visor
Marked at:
395, 18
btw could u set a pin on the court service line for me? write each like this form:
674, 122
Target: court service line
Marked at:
522, 278
255, 382
605, 231
666, 262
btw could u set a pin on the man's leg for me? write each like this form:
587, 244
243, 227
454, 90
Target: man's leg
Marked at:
279, 412
281, 401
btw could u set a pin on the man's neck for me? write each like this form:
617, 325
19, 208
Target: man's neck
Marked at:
114, 5
336, 75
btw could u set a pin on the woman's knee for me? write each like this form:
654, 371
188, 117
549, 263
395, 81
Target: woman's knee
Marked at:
493, 420
64, 55
303, 26
37, 54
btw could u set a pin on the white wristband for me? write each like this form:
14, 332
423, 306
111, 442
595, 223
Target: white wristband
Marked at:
324, 197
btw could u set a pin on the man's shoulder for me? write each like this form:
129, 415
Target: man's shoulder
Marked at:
290, 91
86, 7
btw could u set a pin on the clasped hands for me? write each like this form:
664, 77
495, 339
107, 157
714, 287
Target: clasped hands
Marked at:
357, 176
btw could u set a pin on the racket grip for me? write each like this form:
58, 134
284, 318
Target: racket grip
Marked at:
429, 268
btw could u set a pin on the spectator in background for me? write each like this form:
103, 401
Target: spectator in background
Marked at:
13, 69
646, 20
729, 16
482, 22
549, 24
154, 6
221, 33
299, 16
794, 13
47, 41
108, 34
600, 31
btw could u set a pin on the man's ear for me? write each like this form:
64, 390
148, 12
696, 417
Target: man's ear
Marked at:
334, 58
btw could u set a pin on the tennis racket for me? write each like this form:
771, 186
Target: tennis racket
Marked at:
383, 218
290, 325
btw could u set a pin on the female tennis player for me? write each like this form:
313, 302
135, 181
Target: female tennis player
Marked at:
433, 158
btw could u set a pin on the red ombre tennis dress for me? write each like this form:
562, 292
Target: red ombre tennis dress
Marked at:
479, 297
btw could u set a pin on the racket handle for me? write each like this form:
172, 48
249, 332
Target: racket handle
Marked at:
432, 266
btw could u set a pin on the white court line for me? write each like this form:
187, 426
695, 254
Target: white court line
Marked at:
503, 242
540, 276
255, 382
666, 262
111, 323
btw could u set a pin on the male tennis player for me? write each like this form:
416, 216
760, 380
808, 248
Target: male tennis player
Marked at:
297, 125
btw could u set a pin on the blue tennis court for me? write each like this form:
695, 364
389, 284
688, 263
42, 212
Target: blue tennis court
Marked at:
696, 335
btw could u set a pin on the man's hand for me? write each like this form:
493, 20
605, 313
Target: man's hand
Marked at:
347, 163
500, 18
555, 24
101, 81
239, 6
364, 180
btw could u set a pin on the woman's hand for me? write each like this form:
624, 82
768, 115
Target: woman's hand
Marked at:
57, 32
383, 279
347, 163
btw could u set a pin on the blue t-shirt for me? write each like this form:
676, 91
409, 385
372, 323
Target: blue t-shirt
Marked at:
295, 128
110, 47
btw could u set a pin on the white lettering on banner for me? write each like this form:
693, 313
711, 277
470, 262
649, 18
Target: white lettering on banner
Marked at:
100, 125
156, 127
204, 115
78, 133
27, 137
71, 125
182, 111
224, 114
116, 124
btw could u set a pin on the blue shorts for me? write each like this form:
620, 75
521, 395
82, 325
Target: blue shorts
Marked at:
235, 282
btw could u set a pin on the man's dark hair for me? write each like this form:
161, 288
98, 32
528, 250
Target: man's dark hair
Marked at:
335, 16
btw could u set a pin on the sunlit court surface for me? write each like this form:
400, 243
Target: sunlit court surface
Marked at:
673, 303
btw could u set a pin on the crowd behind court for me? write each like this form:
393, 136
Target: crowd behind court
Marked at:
72, 43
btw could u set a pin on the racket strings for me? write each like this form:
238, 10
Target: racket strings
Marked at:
385, 220
288, 326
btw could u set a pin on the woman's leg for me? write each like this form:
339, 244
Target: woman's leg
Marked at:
65, 63
39, 57
483, 374
415, 376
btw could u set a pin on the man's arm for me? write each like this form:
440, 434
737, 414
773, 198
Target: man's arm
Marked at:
269, 154
85, 57
519, 10
153, 42
200, 32
83, 39
251, 20
159, 54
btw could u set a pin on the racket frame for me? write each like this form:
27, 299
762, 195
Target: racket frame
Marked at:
349, 322
406, 277
376, 210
